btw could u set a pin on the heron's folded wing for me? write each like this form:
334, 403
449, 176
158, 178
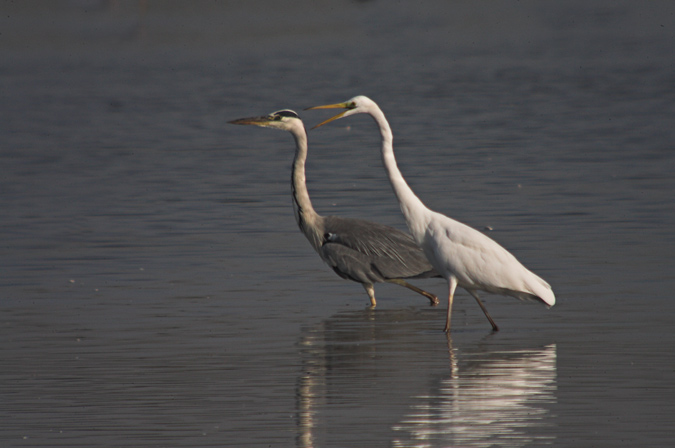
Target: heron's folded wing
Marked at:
382, 249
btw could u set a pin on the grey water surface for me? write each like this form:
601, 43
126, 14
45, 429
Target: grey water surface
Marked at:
156, 292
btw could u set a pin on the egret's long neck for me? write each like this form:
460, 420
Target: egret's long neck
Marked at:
305, 215
414, 211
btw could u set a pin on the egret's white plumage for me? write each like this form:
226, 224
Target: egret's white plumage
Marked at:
463, 255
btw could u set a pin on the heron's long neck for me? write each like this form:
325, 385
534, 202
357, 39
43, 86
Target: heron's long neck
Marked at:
414, 211
305, 215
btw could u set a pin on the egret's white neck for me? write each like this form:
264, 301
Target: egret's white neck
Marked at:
415, 212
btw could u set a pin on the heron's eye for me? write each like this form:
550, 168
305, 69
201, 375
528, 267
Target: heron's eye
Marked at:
277, 118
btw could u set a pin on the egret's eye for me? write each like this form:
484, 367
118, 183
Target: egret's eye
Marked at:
351, 105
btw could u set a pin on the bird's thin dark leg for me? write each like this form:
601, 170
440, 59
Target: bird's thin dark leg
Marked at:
370, 290
452, 285
485, 311
432, 298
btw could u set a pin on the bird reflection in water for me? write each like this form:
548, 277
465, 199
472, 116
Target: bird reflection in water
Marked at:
491, 399
384, 378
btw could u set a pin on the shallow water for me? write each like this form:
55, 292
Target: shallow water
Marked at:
156, 291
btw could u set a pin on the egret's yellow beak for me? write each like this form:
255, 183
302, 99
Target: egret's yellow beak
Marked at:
256, 121
345, 106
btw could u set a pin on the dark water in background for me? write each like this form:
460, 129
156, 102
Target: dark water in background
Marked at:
156, 292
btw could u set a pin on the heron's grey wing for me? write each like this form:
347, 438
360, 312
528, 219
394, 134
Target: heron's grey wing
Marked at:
350, 264
361, 249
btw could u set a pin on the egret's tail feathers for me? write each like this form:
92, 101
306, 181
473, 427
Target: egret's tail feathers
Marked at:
542, 291
547, 296
537, 287
538, 292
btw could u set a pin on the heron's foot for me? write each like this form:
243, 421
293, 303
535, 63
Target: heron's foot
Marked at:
370, 290
433, 300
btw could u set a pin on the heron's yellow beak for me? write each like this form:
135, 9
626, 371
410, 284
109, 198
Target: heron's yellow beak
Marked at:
256, 121
331, 106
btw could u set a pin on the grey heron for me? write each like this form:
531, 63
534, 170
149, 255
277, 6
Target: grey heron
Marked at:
357, 250
464, 256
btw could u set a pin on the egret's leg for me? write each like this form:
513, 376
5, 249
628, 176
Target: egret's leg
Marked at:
452, 285
485, 311
432, 298
370, 290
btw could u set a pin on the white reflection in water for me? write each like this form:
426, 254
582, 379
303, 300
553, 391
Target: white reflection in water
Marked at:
311, 391
385, 376
486, 401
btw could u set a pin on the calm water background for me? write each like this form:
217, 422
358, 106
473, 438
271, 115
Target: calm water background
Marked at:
155, 290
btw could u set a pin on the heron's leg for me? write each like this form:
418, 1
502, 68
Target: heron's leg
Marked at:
370, 290
485, 311
432, 298
452, 285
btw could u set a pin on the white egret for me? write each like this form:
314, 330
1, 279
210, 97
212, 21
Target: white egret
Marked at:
357, 250
463, 255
